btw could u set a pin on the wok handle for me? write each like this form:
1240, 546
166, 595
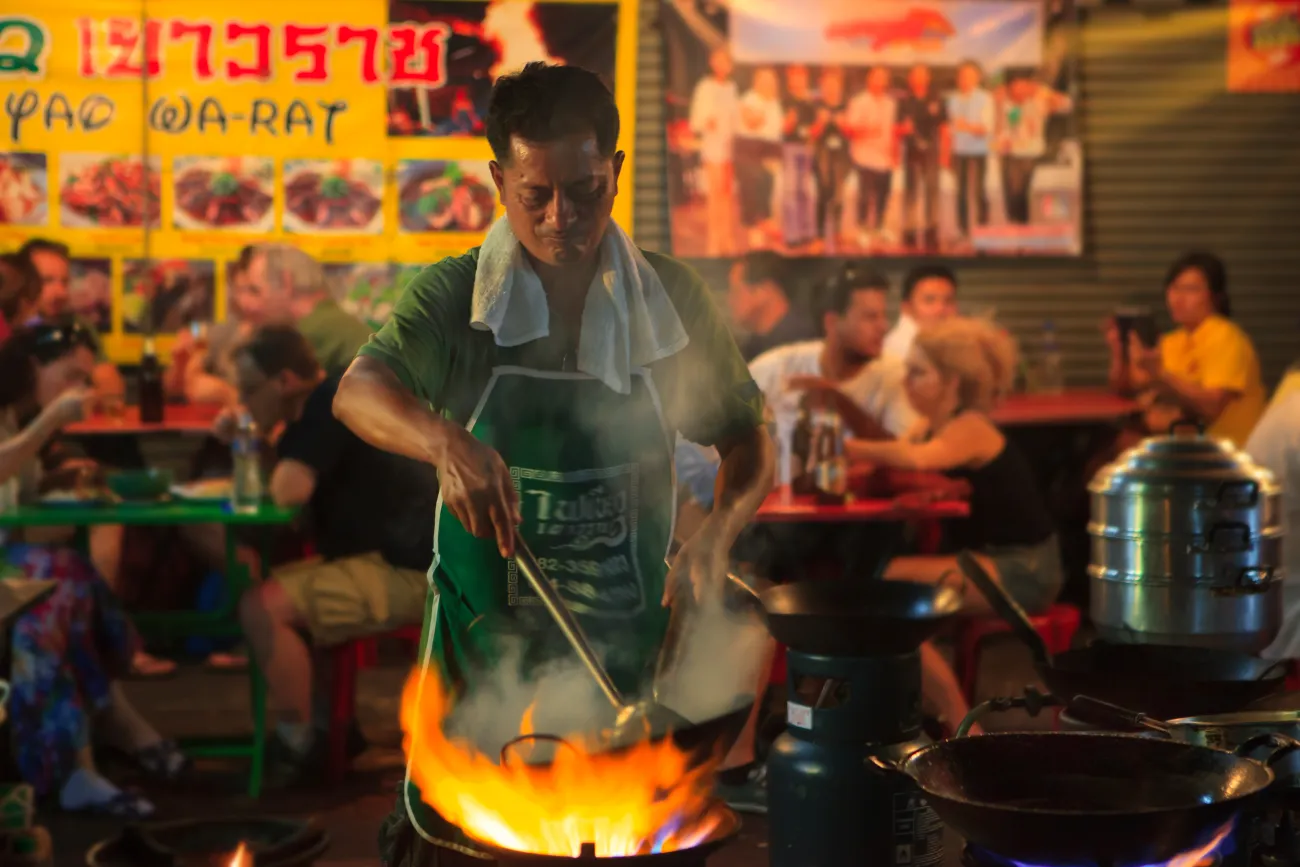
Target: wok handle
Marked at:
564, 618
1005, 606
1279, 745
892, 769
1098, 712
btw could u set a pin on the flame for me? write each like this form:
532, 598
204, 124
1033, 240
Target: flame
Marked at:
510, 27
242, 857
644, 799
1196, 857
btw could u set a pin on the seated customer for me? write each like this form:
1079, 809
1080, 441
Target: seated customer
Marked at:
20, 292
929, 297
1206, 369
67, 651
956, 373
368, 518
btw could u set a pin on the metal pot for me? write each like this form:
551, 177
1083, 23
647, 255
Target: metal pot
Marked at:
1228, 731
1186, 546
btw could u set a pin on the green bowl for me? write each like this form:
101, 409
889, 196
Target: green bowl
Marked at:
140, 484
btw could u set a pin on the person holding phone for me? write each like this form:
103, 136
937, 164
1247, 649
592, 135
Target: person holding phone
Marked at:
1205, 370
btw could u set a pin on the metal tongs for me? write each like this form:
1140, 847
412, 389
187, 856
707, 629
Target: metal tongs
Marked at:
632, 721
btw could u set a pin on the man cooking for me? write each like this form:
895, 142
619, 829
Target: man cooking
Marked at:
554, 365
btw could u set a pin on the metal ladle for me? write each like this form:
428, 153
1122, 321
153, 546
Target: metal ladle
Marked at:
633, 721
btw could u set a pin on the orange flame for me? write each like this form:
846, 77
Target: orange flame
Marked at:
242, 857
646, 798
510, 26
1192, 857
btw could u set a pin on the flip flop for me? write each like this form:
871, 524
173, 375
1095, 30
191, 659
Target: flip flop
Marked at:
162, 761
145, 666
226, 663
123, 805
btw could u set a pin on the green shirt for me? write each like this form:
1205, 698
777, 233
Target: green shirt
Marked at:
334, 334
706, 391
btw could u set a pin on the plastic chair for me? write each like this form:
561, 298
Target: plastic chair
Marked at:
346, 660
1057, 627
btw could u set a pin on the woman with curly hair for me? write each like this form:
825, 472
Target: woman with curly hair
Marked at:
957, 372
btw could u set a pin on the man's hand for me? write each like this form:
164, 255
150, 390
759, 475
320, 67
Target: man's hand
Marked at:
226, 425
476, 487
71, 406
700, 566
806, 382
1145, 359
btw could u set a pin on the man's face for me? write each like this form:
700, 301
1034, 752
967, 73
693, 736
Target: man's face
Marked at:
919, 80
259, 301
261, 395
796, 81
933, 300
968, 78
766, 85
558, 196
860, 330
53, 268
878, 80
1022, 89
720, 63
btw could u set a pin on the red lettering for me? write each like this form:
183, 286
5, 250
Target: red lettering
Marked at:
124, 35
202, 34
296, 41
369, 37
261, 68
426, 43
86, 42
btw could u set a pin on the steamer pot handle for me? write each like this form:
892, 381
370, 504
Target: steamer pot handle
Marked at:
1279, 745
1209, 542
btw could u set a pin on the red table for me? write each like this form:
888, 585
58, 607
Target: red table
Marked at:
805, 510
1075, 406
180, 418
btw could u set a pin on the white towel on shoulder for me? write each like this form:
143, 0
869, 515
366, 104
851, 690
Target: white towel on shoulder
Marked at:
628, 320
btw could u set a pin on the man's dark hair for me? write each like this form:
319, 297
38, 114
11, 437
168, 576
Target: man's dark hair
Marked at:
761, 266
245, 257
43, 245
20, 285
36, 345
852, 277
544, 102
926, 272
273, 349
1214, 271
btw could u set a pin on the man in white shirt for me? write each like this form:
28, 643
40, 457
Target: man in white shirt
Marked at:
1022, 138
713, 117
873, 145
1275, 445
970, 110
929, 297
758, 153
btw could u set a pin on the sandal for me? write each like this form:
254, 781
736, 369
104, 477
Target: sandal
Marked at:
227, 663
124, 805
145, 666
162, 761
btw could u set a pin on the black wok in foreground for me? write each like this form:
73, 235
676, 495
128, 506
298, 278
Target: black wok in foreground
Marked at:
1067, 799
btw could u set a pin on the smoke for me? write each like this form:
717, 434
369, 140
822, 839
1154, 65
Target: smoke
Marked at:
712, 668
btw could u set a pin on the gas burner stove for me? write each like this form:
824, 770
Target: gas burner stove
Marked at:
1269, 838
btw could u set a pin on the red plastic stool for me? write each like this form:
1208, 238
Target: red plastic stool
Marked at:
346, 660
1057, 627
777, 677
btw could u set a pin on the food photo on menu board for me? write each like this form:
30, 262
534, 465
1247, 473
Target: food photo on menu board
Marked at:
369, 290
24, 189
166, 295
235, 193
109, 190
333, 196
445, 196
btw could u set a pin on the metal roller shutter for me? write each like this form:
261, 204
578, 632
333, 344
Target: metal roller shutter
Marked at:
1173, 162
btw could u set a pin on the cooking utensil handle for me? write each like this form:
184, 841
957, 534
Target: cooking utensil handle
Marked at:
893, 769
1279, 746
1098, 712
564, 618
1281, 666
1005, 606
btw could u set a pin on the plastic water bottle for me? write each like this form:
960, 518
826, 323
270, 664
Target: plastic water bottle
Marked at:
1052, 374
246, 486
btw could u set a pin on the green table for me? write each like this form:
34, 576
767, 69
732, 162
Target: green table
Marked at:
217, 624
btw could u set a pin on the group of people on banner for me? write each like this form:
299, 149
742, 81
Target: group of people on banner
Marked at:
841, 162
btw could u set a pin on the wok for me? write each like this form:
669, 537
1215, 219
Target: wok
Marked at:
859, 618
1067, 798
1165, 681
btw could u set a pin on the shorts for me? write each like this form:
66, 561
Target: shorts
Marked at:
353, 597
1031, 574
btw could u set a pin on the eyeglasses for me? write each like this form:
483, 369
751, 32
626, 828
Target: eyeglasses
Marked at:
73, 334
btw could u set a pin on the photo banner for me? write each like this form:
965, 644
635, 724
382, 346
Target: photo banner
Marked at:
1264, 46
899, 128
157, 139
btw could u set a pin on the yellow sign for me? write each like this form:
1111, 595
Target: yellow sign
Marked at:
158, 138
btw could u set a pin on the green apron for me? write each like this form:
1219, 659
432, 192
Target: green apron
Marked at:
594, 473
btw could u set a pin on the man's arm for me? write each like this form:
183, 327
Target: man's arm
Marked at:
375, 405
744, 480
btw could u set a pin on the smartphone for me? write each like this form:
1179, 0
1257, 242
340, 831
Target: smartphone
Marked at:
1139, 321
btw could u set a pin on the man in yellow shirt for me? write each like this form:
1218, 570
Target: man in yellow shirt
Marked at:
1206, 369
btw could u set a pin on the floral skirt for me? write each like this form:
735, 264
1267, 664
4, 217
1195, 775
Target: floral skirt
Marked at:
67, 650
